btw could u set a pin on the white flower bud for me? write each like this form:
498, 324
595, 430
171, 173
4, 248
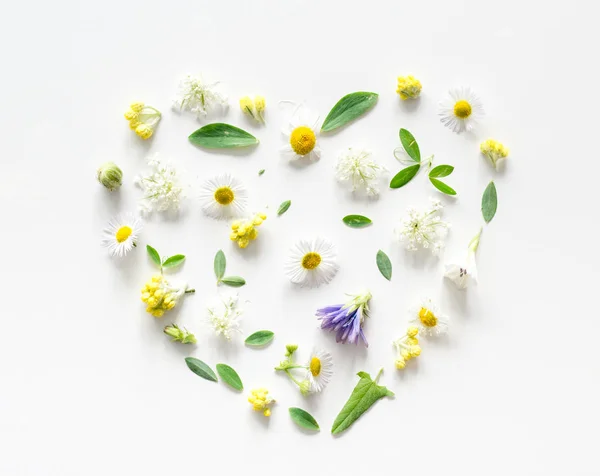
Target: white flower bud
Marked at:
110, 175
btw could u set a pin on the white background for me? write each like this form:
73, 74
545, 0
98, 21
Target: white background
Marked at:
91, 386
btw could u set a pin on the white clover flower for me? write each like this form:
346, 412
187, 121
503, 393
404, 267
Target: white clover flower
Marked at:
357, 167
199, 97
424, 229
462, 273
161, 187
224, 315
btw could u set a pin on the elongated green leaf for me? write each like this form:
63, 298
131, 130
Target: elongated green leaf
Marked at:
303, 419
442, 187
200, 369
349, 108
410, 145
364, 395
233, 281
260, 172
356, 221
154, 256
173, 261
222, 136
220, 264
259, 338
384, 264
441, 171
230, 376
404, 176
284, 207
489, 202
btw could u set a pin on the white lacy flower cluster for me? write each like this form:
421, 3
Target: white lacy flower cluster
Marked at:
224, 315
356, 166
424, 229
199, 97
161, 187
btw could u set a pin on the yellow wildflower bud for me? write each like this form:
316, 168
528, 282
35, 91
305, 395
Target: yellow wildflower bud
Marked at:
412, 331
170, 305
130, 115
252, 234
263, 216
137, 106
158, 313
405, 354
267, 412
259, 104
415, 351
134, 123
257, 221
157, 278
152, 287
149, 309
494, 150
412, 341
144, 131
400, 363
243, 242
159, 293
145, 297
235, 225
409, 87
233, 236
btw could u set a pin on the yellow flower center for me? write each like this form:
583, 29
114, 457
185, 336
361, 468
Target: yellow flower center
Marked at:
462, 109
311, 260
303, 140
224, 195
315, 366
427, 317
123, 233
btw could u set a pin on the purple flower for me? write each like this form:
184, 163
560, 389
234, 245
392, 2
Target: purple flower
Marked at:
347, 319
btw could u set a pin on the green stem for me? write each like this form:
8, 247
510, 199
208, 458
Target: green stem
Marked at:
188, 291
378, 375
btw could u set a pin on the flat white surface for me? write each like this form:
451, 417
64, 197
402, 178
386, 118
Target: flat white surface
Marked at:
91, 386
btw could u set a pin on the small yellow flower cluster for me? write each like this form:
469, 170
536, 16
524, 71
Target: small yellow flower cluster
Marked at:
261, 401
159, 296
409, 87
253, 107
243, 232
408, 347
142, 119
494, 150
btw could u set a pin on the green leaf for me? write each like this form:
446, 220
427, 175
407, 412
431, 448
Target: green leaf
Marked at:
200, 369
222, 136
410, 145
260, 172
441, 171
173, 261
220, 264
234, 281
489, 202
404, 176
230, 376
442, 187
364, 395
384, 264
284, 207
357, 221
303, 419
349, 108
259, 338
154, 256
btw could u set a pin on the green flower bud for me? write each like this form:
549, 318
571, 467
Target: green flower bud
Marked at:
180, 335
110, 175
290, 348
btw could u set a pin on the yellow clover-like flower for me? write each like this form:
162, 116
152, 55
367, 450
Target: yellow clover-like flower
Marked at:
243, 232
409, 87
261, 401
143, 119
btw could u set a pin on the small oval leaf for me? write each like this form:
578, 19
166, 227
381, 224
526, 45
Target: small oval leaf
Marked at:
442, 187
219, 264
260, 172
259, 338
356, 221
154, 256
230, 376
234, 281
441, 171
222, 136
349, 108
284, 207
384, 264
200, 369
303, 419
410, 145
404, 176
489, 202
173, 261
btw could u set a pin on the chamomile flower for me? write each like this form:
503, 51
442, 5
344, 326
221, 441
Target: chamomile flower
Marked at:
161, 186
121, 234
461, 111
424, 229
224, 314
312, 262
356, 167
428, 319
199, 97
320, 370
461, 274
301, 135
223, 197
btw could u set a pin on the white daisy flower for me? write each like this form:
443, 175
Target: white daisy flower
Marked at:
428, 318
424, 229
320, 370
199, 97
161, 186
223, 197
463, 273
121, 234
312, 262
224, 315
357, 167
461, 111
301, 135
